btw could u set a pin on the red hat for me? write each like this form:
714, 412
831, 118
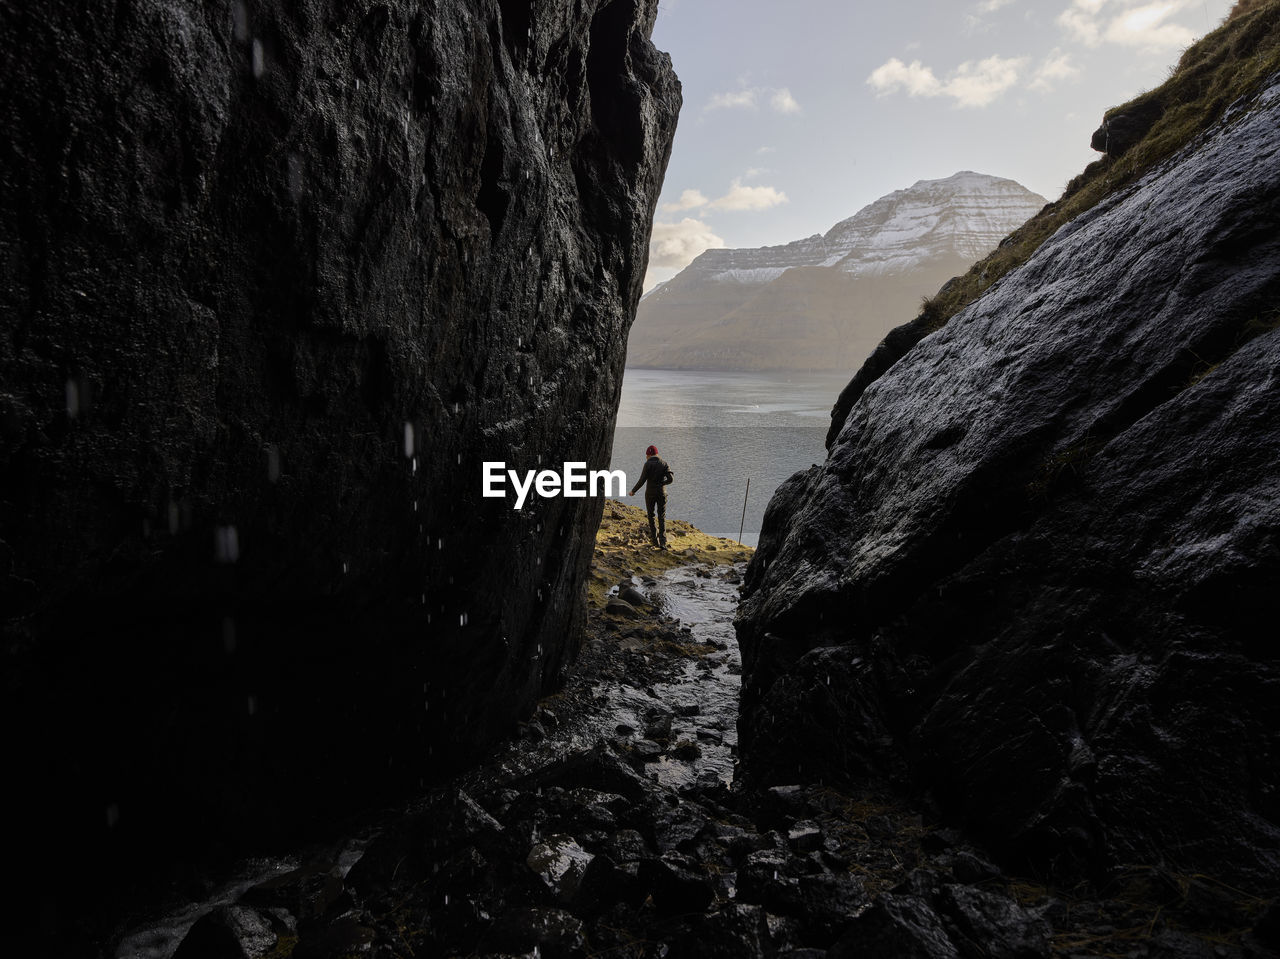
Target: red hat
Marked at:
651, 451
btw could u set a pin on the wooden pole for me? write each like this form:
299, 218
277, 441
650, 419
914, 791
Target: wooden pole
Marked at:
744, 510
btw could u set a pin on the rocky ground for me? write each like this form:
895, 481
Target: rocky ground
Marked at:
566, 844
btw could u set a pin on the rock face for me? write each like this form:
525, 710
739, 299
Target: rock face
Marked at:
824, 302
277, 279
1035, 573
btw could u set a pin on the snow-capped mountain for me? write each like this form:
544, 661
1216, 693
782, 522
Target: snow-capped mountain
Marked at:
865, 275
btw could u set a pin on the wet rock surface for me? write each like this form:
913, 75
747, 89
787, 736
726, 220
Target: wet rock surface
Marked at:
1030, 575
277, 279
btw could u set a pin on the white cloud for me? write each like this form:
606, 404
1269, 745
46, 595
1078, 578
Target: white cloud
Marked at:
676, 244
1145, 26
784, 102
991, 6
734, 100
689, 200
973, 84
893, 75
755, 171
761, 151
1056, 68
749, 98
977, 84
741, 197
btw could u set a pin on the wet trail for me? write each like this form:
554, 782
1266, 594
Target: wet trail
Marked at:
697, 704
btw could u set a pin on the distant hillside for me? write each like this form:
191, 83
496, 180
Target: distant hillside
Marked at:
824, 302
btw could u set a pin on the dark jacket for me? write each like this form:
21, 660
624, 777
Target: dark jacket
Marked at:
652, 477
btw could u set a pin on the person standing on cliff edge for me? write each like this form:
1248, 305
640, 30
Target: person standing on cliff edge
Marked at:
655, 477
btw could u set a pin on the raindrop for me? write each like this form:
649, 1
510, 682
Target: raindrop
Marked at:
459, 459
226, 544
113, 816
252, 705
439, 544
73, 399
415, 507
273, 463
357, 83
408, 439
259, 59
446, 902
344, 569
415, 465
174, 518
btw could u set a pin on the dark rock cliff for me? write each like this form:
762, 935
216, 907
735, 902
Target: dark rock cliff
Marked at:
277, 279
1037, 572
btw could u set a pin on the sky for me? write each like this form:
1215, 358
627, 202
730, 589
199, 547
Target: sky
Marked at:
799, 113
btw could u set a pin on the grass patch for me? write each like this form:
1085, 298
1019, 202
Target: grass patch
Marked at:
1061, 468
1230, 63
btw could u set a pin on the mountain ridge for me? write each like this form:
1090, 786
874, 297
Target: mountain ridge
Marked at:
903, 245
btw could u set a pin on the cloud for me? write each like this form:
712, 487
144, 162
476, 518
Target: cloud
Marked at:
784, 102
677, 244
689, 200
735, 100
742, 197
917, 79
749, 98
991, 6
973, 84
1055, 69
1144, 26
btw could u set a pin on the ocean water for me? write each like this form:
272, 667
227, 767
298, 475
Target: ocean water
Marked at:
716, 431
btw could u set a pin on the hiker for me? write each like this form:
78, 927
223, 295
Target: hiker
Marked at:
654, 477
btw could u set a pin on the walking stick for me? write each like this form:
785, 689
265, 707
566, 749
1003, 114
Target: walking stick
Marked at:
744, 510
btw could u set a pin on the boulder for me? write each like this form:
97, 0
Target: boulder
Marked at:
229, 932
1121, 131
